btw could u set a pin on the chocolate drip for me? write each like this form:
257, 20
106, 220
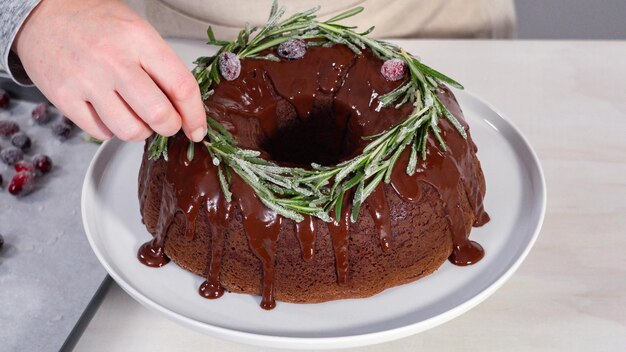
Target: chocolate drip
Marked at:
196, 186
339, 230
219, 212
211, 288
446, 171
218, 222
305, 230
468, 164
379, 210
262, 227
152, 252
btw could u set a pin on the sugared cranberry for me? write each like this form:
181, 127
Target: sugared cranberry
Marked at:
22, 183
230, 66
4, 99
42, 163
21, 140
11, 155
62, 130
40, 114
393, 70
292, 49
24, 165
8, 128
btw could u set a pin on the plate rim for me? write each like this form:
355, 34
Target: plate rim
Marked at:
346, 341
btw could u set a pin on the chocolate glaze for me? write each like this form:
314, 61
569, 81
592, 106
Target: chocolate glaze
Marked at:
219, 212
262, 227
379, 211
305, 230
339, 230
275, 108
152, 254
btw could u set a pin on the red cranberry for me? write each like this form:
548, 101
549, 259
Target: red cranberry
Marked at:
292, 49
230, 66
4, 99
393, 70
8, 128
11, 155
23, 165
22, 183
21, 140
42, 163
40, 114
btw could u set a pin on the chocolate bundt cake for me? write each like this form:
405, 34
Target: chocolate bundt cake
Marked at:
317, 109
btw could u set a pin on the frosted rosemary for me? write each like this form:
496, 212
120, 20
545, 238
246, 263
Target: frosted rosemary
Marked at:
319, 190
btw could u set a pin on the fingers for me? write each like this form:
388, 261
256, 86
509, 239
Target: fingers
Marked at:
86, 118
147, 100
171, 75
119, 118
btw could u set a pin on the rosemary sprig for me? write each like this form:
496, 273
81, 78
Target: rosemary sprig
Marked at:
319, 191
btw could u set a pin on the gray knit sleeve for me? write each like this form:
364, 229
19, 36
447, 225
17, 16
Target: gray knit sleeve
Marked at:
13, 13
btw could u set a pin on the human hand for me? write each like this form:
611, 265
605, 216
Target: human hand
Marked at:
109, 71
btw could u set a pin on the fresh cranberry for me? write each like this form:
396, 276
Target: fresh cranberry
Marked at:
4, 99
11, 155
22, 183
230, 66
42, 163
24, 165
393, 70
62, 130
292, 49
8, 128
40, 114
21, 140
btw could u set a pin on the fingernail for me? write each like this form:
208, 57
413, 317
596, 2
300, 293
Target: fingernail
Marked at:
198, 134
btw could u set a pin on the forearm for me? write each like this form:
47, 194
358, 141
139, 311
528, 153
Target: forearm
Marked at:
12, 16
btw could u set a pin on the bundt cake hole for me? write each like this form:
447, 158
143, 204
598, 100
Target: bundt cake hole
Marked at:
323, 137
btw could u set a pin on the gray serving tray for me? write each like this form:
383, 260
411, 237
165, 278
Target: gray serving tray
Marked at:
48, 273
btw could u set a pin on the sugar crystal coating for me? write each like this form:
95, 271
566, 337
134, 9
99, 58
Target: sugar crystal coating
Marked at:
292, 49
230, 66
40, 114
21, 140
8, 128
11, 155
62, 130
393, 69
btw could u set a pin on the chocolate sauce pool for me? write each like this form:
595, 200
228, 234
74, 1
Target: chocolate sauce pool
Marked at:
314, 109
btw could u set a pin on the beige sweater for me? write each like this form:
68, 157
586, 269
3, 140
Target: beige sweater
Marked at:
392, 18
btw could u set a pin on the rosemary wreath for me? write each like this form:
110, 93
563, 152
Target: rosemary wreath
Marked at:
320, 190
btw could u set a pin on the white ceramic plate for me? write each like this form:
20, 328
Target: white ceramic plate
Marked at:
515, 200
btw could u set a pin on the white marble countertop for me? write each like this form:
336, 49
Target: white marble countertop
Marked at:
569, 100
